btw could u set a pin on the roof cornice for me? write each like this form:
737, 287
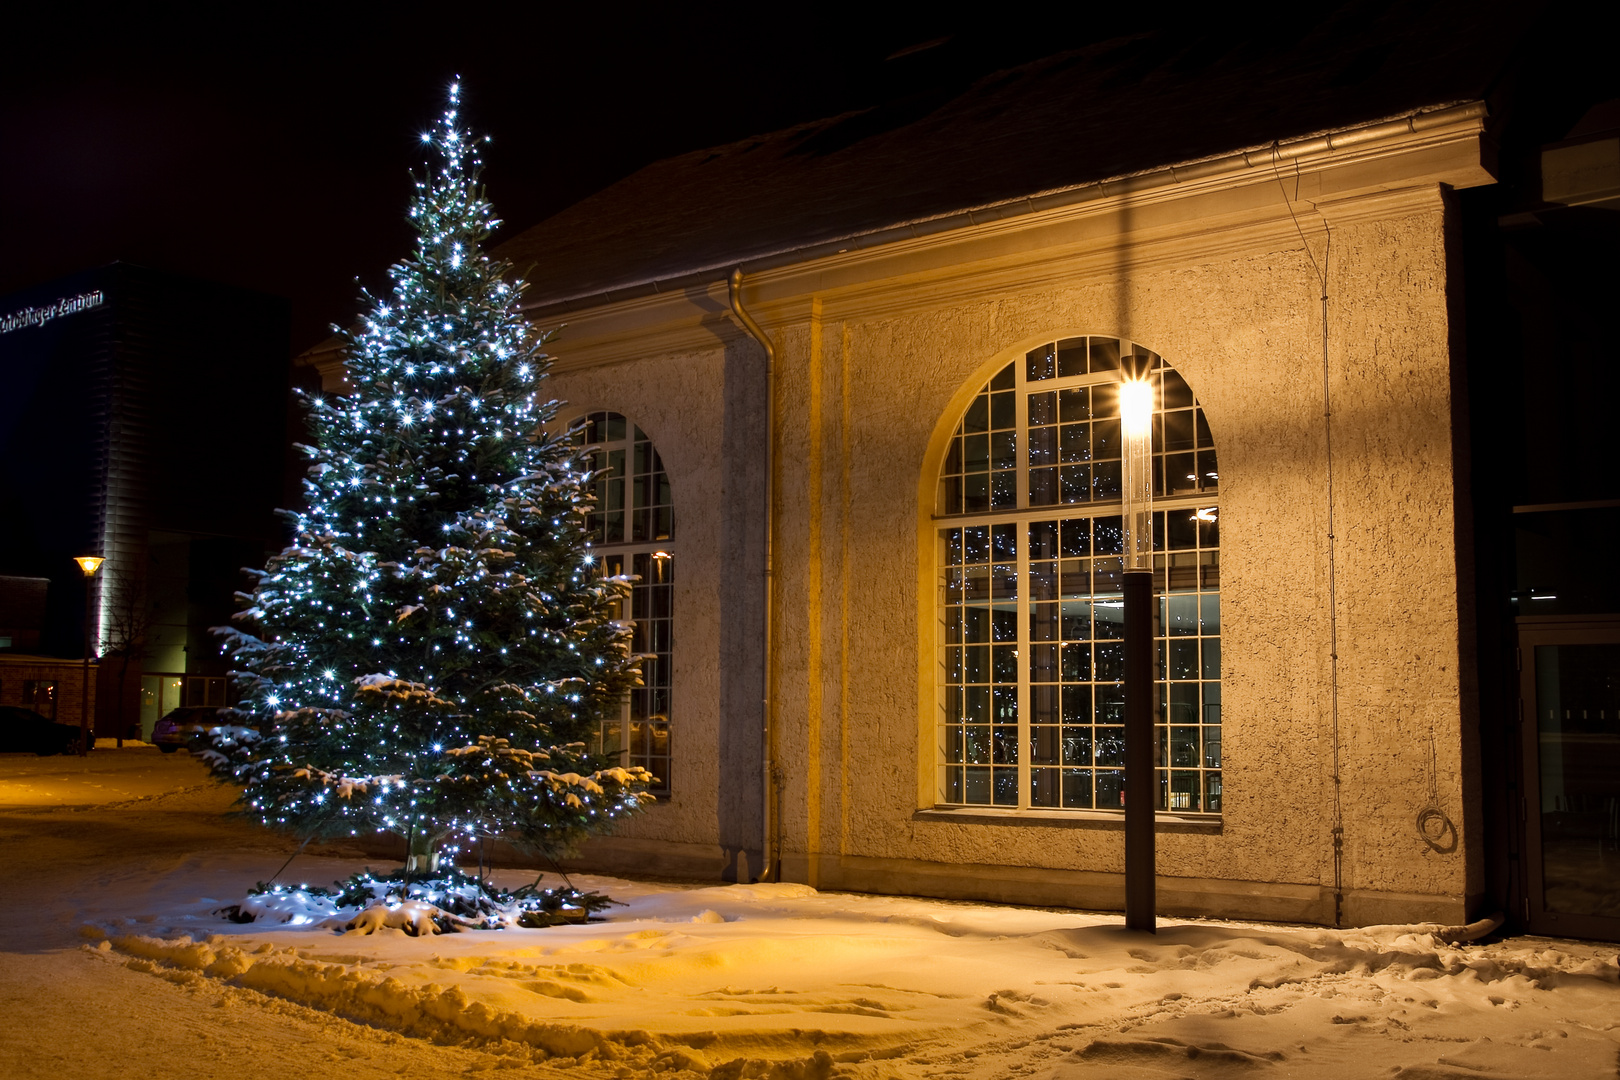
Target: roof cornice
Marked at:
1313, 151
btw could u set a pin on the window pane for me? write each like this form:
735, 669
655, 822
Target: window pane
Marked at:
1002, 409
1174, 391
1180, 474
1104, 354
1004, 450
1003, 490
1110, 661
1043, 581
977, 786
1045, 705
1043, 487
978, 415
976, 453
1077, 789
1077, 745
1043, 447
1038, 364
976, 493
1043, 537
1075, 444
1106, 576
1076, 620
1105, 481
1076, 483
1178, 430
1180, 616
1105, 442
1043, 622
1045, 748
1076, 661
1071, 357
1063, 660
1076, 534
1042, 409
1077, 711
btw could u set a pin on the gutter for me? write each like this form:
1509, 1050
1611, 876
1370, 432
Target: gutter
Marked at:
770, 820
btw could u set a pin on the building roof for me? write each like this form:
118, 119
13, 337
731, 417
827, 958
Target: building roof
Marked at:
1071, 119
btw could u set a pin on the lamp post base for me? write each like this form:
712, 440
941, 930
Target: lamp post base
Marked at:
1140, 887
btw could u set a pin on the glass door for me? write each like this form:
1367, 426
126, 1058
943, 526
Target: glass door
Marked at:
1570, 707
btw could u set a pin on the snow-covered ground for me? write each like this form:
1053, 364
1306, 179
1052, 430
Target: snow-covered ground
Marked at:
114, 965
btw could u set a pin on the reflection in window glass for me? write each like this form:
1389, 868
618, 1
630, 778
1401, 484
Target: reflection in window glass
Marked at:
632, 528
40, 695
1032, 654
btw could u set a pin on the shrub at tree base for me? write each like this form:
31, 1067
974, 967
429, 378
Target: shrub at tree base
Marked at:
432, 653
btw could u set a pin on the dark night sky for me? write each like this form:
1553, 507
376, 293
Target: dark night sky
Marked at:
273, 151
275, 154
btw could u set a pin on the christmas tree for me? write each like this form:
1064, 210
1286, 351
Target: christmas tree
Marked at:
433, 648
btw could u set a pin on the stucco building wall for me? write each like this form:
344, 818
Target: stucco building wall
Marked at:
875, 363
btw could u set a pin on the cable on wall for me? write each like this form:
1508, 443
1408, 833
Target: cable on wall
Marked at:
1332, 540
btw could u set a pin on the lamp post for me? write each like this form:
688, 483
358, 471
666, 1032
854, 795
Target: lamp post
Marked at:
89, 564
1136, 478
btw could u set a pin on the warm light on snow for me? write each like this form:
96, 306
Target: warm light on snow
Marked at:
728, 981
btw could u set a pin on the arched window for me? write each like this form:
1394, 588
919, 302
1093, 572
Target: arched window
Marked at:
1029, 545
633, 532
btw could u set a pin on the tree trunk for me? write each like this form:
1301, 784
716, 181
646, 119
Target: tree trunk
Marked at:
421, 858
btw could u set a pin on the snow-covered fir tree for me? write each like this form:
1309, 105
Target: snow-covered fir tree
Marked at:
433, 647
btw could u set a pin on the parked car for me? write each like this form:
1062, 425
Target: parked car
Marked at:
184, 727
24, 730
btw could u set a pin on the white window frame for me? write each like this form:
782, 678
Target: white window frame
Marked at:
1193, 788
651, 613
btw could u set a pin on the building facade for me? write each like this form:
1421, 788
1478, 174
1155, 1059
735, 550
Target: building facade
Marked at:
942, 683
867, 370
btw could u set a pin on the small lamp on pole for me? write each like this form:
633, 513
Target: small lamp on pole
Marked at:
89, 564
1136, 478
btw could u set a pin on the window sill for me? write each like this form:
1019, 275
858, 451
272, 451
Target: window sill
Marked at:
1092, 819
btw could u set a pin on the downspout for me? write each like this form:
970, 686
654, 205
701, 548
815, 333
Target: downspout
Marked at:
768, 819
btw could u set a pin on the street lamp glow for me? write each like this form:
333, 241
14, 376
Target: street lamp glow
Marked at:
1136, 471
89, 564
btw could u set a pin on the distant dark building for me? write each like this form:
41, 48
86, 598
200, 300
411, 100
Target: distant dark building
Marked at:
143, 418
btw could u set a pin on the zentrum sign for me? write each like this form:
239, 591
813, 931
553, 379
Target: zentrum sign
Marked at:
39, 316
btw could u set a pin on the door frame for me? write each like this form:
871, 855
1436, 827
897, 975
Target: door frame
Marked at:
1534, 630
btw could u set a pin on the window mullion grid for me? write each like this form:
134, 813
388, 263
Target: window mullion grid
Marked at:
1023, 686
1025, 645
1026, 651
948, 719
